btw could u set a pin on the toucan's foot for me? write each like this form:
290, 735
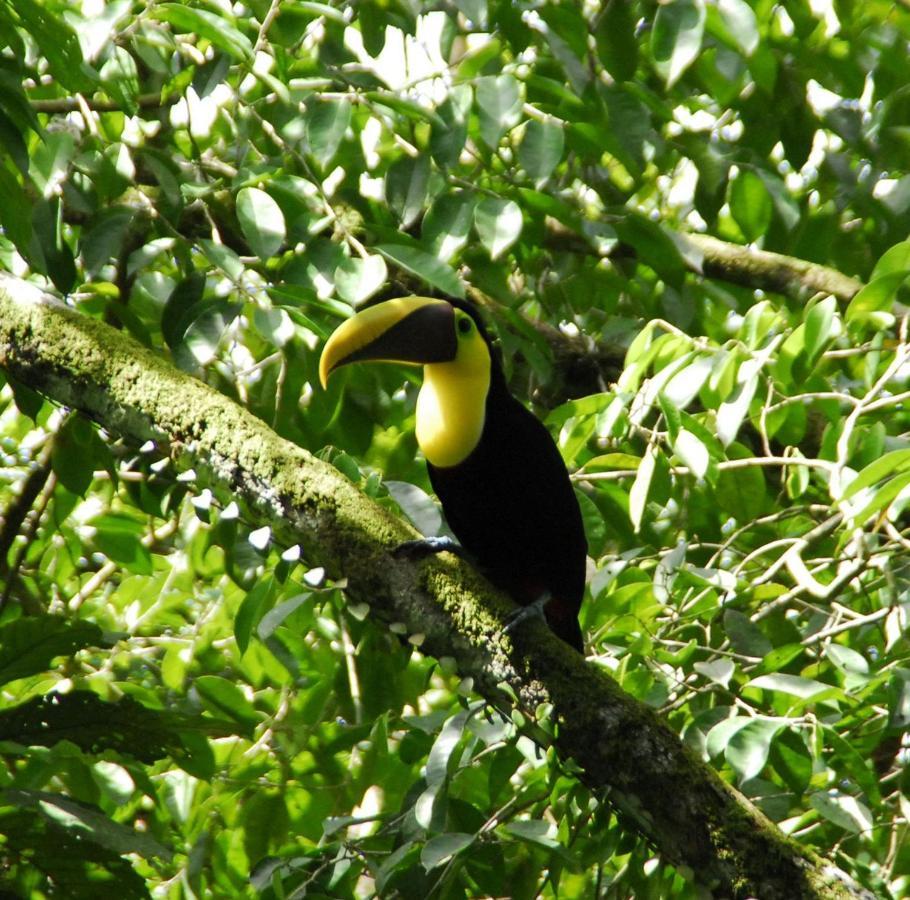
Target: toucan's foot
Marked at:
531, 611
424, 547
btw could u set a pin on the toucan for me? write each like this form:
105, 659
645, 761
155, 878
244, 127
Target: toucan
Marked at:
494, 466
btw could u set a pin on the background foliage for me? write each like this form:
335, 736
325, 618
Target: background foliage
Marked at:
184, 702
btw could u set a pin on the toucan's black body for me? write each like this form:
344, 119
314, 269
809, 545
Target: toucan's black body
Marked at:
509, 501
513, 508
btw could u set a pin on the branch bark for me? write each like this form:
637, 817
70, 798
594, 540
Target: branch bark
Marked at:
736, 263
620, 745
769, 271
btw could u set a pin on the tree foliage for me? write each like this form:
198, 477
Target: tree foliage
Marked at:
189, 706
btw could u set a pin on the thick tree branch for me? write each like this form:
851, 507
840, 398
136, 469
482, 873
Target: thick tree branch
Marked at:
620, 745
739, 264
769, 271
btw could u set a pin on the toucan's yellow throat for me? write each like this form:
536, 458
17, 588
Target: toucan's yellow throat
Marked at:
456, 359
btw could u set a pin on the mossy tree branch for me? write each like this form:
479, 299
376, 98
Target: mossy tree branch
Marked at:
768, 271
620, 745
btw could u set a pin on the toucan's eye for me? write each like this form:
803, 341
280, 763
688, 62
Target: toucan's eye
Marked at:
464, 325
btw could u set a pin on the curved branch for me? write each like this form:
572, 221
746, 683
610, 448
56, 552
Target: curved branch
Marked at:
619, 744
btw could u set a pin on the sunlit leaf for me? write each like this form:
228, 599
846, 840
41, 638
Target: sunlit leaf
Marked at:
541, 148
498, 223
326, 123
498, 106
750, 204
261, 220
424, 266
211, 26
676, 38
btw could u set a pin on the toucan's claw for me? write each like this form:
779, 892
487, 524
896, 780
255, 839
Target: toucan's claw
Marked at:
531, 611
429, 546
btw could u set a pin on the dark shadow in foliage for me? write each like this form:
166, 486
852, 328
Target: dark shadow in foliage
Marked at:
71, 864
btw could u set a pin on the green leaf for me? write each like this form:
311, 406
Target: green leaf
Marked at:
566, 32
595, 527
676, 37
206, 330
200, 22
720, 734
447, 223
72, 458
748, 749
498, 100
745, 637
274, 325
736, 24
277, 615
780, 657
847, 659
876, 296
226, 699
124, 547
88, 821
475, 11
608, 461
892, 463
442, 848
50, 251
15, 211
741, 492
843, 810
120, 77
498, 223
894, 259
734, 409
616, 42
750, 204
59, 45
444, 746
791, 760
104, 237
326, 123
789, 684
652, 243
406, 187
92, 724
223, 257
692, 452
638, 495
357, 279
882, 497
847, 758
255, 605
28, 646
684, 386
424, 266
720, 671
417, 505
261, 221
51, 161
541, 148
535, 831
448, 137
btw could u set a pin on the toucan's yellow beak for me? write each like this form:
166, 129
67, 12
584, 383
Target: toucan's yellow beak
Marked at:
417, 330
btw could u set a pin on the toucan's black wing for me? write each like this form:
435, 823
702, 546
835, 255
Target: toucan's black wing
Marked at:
512, 506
